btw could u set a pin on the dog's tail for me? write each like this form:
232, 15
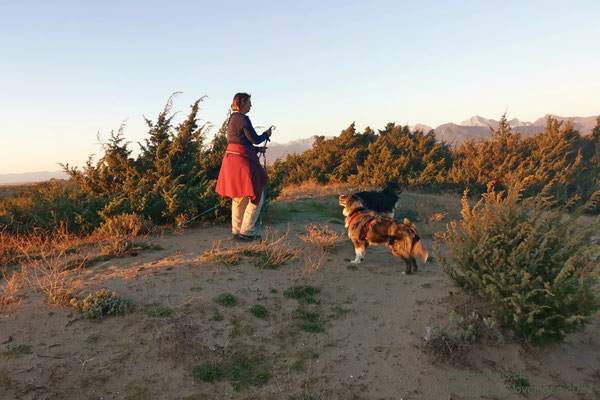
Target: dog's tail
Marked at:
418, 251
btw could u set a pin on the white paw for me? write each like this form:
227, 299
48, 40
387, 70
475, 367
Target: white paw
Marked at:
355, 262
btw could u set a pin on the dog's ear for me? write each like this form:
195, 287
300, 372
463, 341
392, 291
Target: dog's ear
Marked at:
406, 221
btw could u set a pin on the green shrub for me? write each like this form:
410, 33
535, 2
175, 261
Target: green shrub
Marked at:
123, 225
117, 232
533, 263
226, 299
259, 311
103, 302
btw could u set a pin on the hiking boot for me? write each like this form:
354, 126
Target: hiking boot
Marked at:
249, 237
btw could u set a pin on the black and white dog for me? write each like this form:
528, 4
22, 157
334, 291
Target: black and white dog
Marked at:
383, 202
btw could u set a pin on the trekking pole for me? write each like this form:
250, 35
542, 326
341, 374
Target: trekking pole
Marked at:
264, 155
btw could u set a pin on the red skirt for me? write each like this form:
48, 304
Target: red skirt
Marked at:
241, 174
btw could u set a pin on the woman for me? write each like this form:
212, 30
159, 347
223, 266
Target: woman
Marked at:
241, 177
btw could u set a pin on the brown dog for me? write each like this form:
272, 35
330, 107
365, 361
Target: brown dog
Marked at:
365, 229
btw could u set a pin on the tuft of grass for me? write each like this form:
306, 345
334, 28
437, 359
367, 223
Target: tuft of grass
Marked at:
93, 339
300, 292
226, 299
269, 253
17, 351
307, 315
220, 255
217, 316
311, 327
103, 302
427, 286
338, 311
322, 237
242, 366
46, 272
207, 372
352, 267
160, 312
259, 311
311, 320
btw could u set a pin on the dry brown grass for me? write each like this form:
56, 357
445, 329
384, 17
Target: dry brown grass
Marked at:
322, 236
10, 288
312, 263
220, 253
270, 252
44, 261
51, 271
316, 189
16, 248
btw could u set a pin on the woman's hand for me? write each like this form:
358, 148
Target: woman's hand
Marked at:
269, 132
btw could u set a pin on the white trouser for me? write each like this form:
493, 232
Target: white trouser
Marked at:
244, 215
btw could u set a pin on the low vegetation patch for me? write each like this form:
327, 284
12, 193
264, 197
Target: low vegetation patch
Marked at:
269, 253
226, 299
242, 366
300, 292
160, 312
451, 343
259, 311
16, 351
102, 303
322, 236
116, 233
310, 320
531, 261
217, 316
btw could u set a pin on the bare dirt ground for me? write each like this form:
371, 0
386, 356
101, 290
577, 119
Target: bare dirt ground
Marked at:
366, 340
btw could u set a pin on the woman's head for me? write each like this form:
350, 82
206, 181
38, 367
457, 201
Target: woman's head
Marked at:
241, 103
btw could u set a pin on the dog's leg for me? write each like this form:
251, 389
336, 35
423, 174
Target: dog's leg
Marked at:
359, 249
408, 266
415, 268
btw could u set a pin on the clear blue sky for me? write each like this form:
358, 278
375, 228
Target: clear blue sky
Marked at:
73, 69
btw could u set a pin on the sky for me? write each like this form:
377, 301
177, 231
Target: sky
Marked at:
73, 71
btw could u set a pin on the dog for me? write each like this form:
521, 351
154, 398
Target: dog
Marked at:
383, 202
365, 229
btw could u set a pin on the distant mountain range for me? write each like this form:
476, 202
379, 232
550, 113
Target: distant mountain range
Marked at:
282, 150
475, 127
29, 177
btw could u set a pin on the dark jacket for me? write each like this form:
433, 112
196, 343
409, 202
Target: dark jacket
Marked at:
240, 131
